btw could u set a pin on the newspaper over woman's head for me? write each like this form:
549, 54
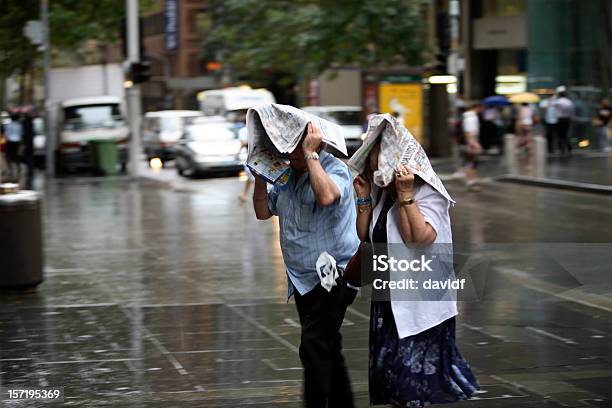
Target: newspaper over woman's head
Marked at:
397, 146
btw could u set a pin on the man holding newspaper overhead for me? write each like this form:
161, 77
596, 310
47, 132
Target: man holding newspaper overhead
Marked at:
312, 196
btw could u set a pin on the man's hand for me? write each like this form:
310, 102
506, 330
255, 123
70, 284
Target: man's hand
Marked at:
404, 180
362, 186
260, 199
313, 139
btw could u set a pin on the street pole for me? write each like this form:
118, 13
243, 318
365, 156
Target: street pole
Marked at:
49, 128
133, 92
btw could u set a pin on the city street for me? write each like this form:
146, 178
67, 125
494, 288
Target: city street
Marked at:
134, 271
171, 293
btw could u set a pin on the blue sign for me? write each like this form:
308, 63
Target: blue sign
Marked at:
171, 30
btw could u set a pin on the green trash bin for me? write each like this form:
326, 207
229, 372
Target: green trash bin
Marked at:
105, 156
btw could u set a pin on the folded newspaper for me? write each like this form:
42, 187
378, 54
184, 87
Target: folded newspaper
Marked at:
397, 146
275, 130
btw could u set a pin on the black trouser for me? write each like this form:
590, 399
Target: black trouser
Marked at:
551, 136
563, 135
326, 380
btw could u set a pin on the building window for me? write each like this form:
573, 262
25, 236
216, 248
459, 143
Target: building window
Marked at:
153, 25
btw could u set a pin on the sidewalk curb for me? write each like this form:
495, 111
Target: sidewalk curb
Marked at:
161, 183
168, 184
558, 184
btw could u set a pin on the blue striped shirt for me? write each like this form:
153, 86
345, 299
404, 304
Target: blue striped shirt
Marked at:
307, 229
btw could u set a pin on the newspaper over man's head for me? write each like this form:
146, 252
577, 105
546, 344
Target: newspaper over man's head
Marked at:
397, 146
284, 126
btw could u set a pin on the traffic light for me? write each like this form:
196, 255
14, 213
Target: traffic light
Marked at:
140, 72
443, 42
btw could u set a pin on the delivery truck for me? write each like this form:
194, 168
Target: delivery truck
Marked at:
87, 104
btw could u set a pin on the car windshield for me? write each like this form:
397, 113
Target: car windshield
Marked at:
171, 124
92, 116
211, 132
343, 117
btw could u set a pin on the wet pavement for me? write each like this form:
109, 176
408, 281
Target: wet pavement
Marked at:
162, 295
589, 167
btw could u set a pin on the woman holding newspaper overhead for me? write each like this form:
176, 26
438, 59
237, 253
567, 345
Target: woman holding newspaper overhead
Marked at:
414, 360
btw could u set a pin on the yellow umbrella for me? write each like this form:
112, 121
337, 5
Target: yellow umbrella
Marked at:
524, 97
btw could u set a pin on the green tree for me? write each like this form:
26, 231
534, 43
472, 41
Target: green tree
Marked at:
16, 52
309, 37
72, 22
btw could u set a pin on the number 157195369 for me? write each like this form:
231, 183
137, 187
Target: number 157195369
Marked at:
32, 393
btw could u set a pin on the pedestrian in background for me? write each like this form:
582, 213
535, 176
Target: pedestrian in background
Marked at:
27, 156
489, 131
550, 122
565, 110
524, 128
414, 360
14, 135
316, 213
243, 136
602, 122
471, 145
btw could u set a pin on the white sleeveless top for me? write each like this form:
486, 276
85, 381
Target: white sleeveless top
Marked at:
413, 317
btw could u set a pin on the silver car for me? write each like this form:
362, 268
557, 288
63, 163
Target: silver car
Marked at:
209, 145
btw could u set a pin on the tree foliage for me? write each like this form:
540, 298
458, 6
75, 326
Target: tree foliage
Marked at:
71, 22
16, 51
308, 37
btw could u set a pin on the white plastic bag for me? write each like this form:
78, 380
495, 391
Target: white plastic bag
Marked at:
327, 270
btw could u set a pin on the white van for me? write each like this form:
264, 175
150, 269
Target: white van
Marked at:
162, 129
350, 118
224, 101
82, 120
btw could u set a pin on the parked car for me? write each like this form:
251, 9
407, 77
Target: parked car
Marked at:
349, 117
208, 145
162, 129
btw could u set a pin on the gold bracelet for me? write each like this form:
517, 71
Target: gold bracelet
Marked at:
407, 202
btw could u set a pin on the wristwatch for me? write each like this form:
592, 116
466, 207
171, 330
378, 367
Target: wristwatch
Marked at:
312, 156
408, 201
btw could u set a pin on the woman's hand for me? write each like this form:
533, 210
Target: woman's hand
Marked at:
404, 180
362, 186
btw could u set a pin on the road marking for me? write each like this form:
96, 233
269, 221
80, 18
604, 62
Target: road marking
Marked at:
110, 360
265, 329
292, 323
277, 368
177, 365
358, 313
551, 335
72, 306
486, 333
152, 305
15, 359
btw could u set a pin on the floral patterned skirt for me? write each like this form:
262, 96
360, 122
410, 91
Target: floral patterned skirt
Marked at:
418, 370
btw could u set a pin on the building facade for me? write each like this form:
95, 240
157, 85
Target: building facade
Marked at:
172, 34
